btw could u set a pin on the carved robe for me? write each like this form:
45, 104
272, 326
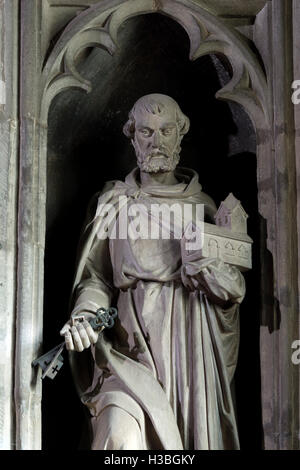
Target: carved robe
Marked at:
172, 353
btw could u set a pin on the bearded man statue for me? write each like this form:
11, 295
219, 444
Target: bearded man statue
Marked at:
160, 379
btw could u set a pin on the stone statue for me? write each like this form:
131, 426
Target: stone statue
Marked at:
160, 379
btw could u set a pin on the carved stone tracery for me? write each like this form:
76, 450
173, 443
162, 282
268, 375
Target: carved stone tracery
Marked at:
98, 27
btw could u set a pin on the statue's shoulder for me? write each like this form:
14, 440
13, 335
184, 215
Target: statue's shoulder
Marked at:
97, 198
108, 186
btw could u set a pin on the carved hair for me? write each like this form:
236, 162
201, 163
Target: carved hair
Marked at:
156, 104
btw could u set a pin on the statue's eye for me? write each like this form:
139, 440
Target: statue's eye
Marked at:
167, 131
145, 132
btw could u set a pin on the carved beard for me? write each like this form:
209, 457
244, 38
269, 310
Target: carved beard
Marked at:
150, 165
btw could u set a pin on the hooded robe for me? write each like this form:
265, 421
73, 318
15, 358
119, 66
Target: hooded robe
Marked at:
170, 358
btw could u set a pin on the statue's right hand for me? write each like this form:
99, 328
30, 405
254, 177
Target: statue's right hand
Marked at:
79, 336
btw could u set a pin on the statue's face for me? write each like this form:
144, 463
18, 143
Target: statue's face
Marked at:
156, 141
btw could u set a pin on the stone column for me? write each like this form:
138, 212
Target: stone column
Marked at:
278, 204
296, 61
286, 394
31, 233
296, 52
9, 135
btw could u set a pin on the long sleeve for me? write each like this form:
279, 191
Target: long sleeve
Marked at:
223, 284
224, 287
93, 286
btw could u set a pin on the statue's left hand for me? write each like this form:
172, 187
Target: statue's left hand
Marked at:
79, 336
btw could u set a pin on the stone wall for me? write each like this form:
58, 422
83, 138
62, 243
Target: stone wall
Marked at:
9, 138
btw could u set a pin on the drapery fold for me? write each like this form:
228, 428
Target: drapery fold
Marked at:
173, 351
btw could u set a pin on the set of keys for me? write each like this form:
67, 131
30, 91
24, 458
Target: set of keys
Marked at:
53, 360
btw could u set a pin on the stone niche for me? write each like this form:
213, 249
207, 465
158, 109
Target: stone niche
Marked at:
86, 147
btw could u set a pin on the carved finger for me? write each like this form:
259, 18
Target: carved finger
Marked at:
69, 341
77, 340
93, 336
65, 329
83, 335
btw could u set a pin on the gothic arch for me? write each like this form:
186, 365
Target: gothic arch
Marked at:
98, 27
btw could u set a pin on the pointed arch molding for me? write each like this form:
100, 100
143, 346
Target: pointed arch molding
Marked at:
98, 27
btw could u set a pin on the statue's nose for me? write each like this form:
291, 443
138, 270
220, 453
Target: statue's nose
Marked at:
156, 140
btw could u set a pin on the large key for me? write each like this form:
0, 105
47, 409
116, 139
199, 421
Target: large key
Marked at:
53, 360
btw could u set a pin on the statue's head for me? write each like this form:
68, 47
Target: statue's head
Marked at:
156, 126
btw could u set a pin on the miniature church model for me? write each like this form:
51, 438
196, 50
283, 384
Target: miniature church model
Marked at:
231, 215
228, 239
